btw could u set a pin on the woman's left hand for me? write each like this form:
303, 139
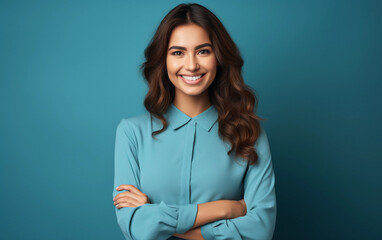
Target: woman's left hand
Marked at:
131, 198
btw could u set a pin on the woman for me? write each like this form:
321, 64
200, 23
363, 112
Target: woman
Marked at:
197, 165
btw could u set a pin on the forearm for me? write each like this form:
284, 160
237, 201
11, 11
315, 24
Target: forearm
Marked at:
207, 212
211, 212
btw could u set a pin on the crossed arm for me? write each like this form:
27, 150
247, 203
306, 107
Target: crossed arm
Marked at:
211, 212
206, 212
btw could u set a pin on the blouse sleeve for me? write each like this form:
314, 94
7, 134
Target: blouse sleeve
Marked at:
260, 198
148, 221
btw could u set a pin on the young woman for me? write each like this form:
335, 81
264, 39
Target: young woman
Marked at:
197, 165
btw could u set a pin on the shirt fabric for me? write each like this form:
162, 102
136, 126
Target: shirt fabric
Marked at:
184, 166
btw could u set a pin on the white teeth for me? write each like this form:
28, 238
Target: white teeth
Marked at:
192, 78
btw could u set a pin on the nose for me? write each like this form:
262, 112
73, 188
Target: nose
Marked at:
191, 63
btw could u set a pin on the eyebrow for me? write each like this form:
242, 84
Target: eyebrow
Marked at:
197, 47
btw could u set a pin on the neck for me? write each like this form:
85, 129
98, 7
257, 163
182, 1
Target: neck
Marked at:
192, 105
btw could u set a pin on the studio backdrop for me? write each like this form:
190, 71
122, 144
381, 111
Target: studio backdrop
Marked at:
69, 72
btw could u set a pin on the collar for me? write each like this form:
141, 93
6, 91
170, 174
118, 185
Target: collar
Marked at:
177, 118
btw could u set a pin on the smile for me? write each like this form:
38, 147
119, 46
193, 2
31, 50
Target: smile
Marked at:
192, 79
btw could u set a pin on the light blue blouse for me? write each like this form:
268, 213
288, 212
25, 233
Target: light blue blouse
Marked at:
186, 165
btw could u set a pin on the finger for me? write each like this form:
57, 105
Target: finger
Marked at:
128, 200
127, 194
131, 188
122, 205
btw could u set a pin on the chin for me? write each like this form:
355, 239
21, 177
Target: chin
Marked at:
193, 93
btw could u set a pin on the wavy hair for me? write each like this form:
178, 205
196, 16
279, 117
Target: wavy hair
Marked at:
235, 102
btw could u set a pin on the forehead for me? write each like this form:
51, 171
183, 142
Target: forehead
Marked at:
189, 35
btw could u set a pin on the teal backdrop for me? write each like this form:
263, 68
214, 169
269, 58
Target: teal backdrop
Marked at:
69, 73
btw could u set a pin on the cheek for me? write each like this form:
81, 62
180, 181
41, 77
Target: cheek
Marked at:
172, 66
210, 63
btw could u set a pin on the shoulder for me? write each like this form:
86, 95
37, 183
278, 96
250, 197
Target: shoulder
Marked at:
135, 124
136, 121
262, 144
262, 139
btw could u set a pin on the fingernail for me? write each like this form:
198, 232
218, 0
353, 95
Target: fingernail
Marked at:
116, 188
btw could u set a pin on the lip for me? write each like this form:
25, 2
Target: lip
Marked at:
193, 82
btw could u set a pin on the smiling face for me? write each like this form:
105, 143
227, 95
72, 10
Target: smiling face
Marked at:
191, 62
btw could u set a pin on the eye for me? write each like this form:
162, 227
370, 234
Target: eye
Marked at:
205, 50
176, 53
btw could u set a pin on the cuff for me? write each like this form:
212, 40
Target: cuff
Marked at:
186, 217
221, 229
207, 231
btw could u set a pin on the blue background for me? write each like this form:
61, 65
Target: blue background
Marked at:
69, 73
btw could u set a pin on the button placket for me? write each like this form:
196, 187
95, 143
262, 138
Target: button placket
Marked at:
187, 162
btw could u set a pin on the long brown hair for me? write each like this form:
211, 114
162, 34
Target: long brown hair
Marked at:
235, 102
